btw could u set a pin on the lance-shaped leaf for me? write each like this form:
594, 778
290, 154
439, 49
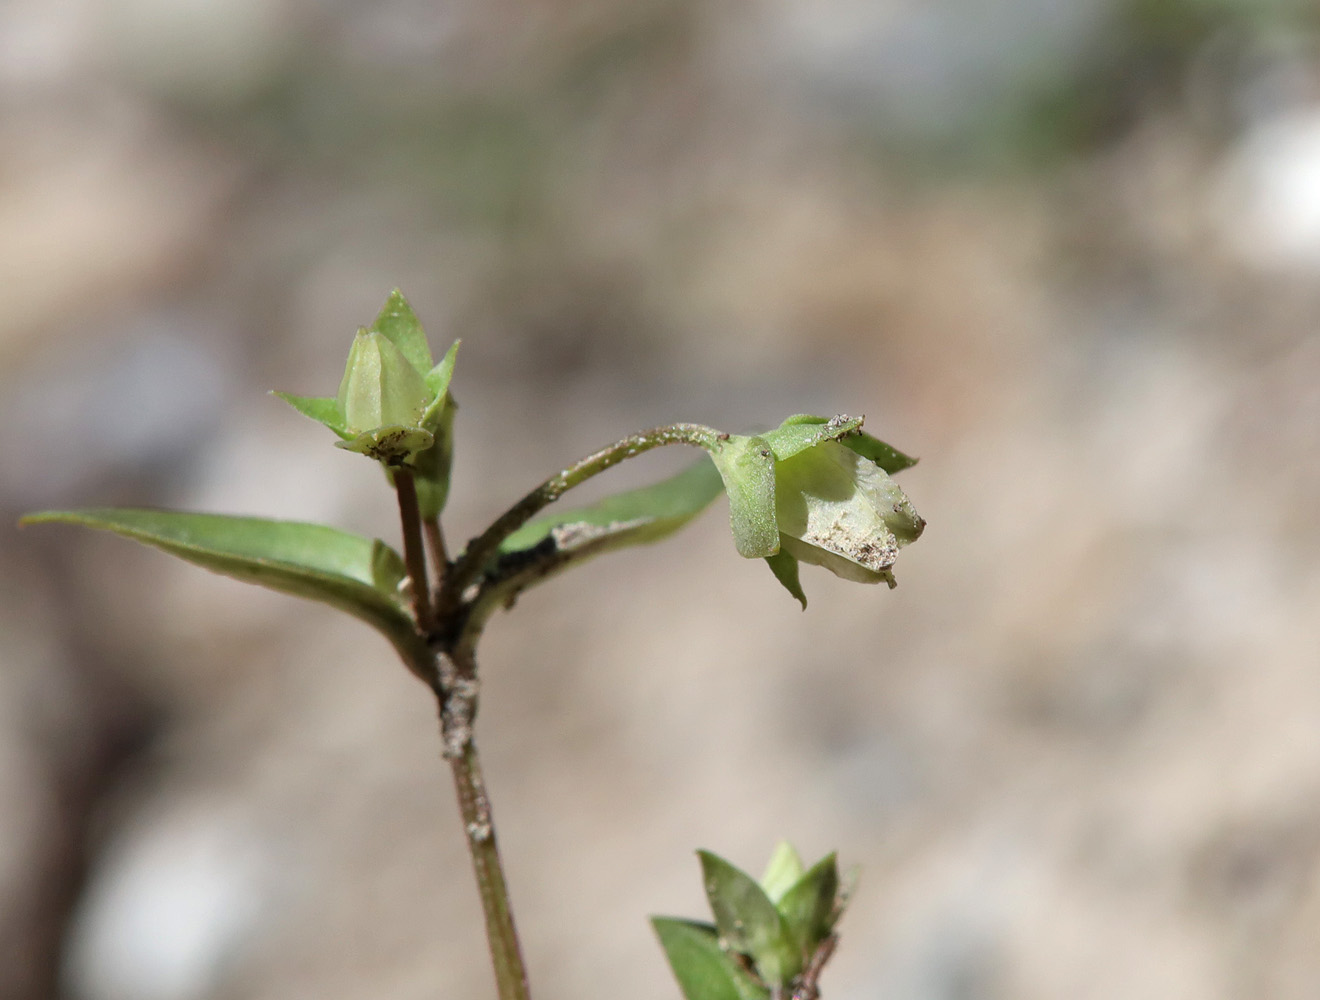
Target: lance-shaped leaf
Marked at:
808, 905
748, 921
632, 518
549, 545
704, 970
355, 574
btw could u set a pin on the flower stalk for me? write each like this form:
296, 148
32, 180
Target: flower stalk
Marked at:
435, 544
468, 567
414, 555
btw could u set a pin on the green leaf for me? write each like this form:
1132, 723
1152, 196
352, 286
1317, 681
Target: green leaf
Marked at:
631, 518
748, 922
784, 565
355, 574
545, 547
783, 870
886, 456
747, 466
808, 906
400, 325
324, 410
703, 969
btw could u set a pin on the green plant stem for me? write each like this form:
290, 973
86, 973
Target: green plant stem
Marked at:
414, 555
435, 540
469, 565
506, 955
456, 690
454, 669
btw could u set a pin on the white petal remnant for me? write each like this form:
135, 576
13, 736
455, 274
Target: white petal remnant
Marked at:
838, 510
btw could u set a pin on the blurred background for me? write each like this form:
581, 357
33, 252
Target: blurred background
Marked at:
1067, 251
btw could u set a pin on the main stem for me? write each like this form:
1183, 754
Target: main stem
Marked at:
453, 672
505, 952
455, 684
456, 691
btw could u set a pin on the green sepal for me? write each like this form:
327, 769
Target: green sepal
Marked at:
884, 455
782, 871
323, 409
350, 572
704, 970
380, 387
808, 906
748, 922
798, 433
437, 384
784, 565
432, 466
397, 322
747, 466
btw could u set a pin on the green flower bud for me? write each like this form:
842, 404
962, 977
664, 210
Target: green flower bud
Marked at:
393, 404
380, 388
382, 398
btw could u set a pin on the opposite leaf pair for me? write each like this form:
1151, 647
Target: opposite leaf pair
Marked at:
769, 939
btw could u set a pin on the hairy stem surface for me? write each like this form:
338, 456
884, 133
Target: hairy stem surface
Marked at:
474, 803
479, 551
